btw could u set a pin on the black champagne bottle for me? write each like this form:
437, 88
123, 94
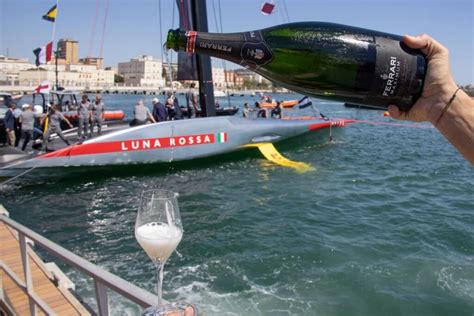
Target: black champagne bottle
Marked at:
325, 60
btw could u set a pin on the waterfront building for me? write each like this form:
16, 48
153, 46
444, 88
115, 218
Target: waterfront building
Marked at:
219, 78
10, 68
243, 75
144, 71
68, 50
69, 76
230, 78
96, 61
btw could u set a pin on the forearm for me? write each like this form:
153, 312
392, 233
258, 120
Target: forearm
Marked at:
457, 125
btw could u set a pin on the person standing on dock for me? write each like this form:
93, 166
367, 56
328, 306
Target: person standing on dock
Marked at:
159, 110
192, 101
16, 114
98, 109
54, 126
9, 121
27, 120
83, 113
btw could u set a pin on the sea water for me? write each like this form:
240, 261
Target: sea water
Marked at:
383, 226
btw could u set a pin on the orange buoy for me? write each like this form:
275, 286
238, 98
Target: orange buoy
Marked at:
114, 115
286, 104
386, 113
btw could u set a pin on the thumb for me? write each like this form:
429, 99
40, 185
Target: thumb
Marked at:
416, 42
426, 44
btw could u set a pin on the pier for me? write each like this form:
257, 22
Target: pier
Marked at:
28, 286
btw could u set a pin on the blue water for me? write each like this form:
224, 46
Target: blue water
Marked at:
383, 226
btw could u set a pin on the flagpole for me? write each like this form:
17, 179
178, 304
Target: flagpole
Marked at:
55, 19
52, 41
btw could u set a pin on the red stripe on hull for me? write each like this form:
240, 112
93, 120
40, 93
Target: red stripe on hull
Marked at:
132, 145
325, 124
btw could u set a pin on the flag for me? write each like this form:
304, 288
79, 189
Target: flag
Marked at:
43, 87
43, 54
51, 15
222, 137
267, 8
304, 102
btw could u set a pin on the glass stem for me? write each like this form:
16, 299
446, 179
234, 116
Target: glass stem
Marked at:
159, 284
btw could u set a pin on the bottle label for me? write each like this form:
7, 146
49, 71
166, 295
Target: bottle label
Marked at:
395, 75
391, 77
247, 49
255, 51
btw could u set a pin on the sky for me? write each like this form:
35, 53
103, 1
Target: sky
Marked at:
134, 28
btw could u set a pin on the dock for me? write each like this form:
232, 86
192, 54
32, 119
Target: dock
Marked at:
28, 286
58, 298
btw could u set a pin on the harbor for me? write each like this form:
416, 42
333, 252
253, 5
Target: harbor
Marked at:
255, 242
327, 171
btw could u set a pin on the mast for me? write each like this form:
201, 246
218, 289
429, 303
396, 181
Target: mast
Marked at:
203, 62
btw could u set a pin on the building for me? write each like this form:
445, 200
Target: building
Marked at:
69, 76
88, 73
144, 71
243, 75
96, 61
218, 78
68, 50
230, 78
10, 68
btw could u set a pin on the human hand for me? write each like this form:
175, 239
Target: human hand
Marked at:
439, 85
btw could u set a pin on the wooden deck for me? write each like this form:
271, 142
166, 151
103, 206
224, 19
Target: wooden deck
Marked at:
59, 299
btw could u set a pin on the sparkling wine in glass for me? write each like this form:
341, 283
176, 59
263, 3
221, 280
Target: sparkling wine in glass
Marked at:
158, 230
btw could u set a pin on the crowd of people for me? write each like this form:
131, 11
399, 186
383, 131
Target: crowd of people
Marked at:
265, 112
160, 112
26, 125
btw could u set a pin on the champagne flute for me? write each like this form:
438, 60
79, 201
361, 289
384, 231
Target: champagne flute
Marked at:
158, 230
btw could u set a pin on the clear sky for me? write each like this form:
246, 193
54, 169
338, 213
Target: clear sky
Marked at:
133, 27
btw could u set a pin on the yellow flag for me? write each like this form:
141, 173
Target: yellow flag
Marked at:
51, 15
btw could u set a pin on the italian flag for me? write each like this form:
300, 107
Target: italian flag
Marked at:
222, 137
43, 54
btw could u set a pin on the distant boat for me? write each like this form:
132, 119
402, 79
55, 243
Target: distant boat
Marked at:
7, 98
242, 94
67, 101
219, 94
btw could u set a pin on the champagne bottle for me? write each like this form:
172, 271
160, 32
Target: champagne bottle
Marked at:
324, 60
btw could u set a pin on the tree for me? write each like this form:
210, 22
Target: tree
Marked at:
118, 79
